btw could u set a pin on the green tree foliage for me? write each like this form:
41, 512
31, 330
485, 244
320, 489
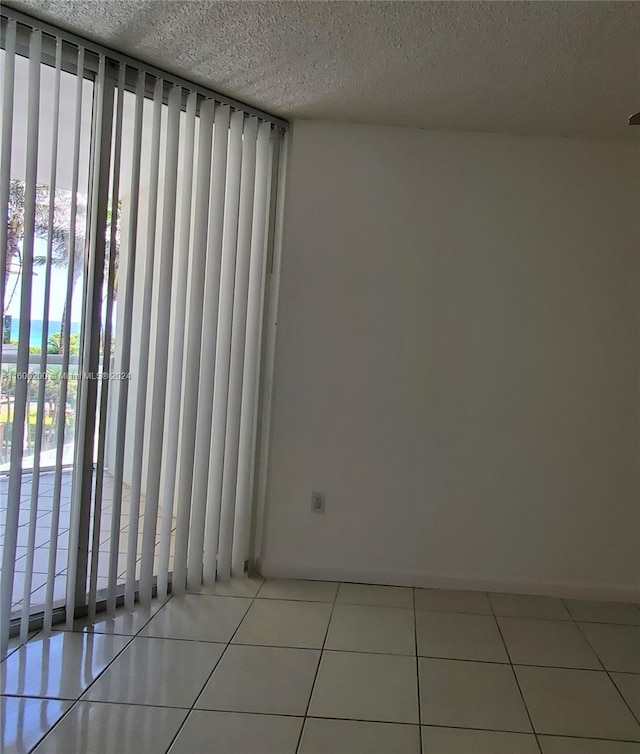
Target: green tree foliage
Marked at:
55, 343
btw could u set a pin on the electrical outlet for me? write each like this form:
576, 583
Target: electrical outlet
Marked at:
317, 502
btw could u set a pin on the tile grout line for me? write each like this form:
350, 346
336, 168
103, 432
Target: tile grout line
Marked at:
222, 654
188, 710
515, 675
615, 685
319, 717
415, 636
75, 702
315, 677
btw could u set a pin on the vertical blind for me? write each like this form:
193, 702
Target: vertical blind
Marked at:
145, 207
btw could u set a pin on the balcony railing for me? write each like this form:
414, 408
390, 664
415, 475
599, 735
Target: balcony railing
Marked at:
53, 412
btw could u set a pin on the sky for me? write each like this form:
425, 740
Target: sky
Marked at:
58, 292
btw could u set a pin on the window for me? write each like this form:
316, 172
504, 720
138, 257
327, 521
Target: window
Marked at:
137, 218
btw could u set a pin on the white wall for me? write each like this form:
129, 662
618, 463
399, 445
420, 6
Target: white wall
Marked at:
457, 362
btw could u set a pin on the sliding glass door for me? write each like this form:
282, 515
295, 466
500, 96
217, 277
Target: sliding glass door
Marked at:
135, 234
46, 143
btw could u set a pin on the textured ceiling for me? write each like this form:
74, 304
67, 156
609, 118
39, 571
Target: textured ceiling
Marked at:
566, 68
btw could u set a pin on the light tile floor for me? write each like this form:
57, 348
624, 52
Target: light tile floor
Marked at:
294, 667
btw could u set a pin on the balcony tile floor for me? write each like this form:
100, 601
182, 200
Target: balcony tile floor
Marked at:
43, 537
294, 667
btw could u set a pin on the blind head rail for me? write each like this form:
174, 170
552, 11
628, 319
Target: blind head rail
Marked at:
93, 50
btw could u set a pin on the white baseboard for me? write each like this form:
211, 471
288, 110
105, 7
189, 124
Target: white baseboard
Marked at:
576, 590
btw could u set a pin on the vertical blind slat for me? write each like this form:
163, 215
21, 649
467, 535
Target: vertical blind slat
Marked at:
143, 356
161, 345
8, 86
20, 414
176, 340
35, 479
95, 253
223, 348
204, 385
208, 353
106, 349
192, 350
246, 444
236, 351
270, 312
125, 359
76, 516
65, 344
